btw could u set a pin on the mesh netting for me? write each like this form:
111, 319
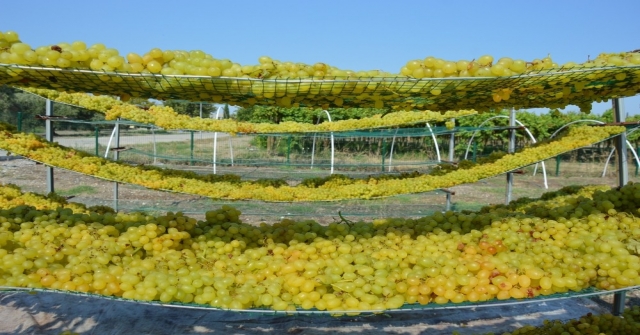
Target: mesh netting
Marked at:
545, 88
589, 292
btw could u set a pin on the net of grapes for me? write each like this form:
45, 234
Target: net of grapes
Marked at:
542, 88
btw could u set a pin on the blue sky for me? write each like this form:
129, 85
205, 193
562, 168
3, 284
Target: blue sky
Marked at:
356, 34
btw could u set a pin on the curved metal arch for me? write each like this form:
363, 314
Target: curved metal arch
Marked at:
633, 151
533, 139
433, 136
606, 164
393, 142
215, 142
313, 146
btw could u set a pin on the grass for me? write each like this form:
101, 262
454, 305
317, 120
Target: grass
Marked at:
82, 189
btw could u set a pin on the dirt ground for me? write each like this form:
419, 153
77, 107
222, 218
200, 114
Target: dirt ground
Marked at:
91, 191
54, 313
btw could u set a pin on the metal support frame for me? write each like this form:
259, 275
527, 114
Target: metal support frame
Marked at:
435, 142
452, 148
313, 146
623, 177
526, 130
393, 143
48, 125
116, 156
512, 149
215, 143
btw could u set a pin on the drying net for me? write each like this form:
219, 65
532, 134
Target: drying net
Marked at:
544, 88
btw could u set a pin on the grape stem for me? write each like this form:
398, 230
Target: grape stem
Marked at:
344, 220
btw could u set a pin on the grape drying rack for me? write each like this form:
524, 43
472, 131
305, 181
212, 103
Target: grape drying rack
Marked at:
543, 88
546, 88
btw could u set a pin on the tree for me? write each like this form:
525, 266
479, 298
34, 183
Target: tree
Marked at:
190, 108
16, 104
226, 114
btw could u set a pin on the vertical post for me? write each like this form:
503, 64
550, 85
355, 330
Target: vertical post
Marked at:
192, 142
512, 149
383, 149
116, 156
452, 146
475, 151
201, 118
637, 162
97, 135
557, 165
48, 126
215, 143
288, 149
19, 121
623, 177
155, 148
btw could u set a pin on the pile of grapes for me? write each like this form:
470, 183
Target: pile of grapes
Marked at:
228, 187
586, 238
165, 117
198, 76
99, 57
627, 323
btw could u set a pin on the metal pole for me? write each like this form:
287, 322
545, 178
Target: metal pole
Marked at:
116, 156
512, 149
288, 149
231, 148
48, 126
452, 145
393, 142
475, 151
19, 121
201, 118
192, 142
97, 132
215, 143
383, 149
623, 177
155, 148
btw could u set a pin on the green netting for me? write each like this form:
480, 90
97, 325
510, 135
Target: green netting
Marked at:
370, 133
589, 292
544, 88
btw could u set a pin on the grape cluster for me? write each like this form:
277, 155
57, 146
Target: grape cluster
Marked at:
34, 148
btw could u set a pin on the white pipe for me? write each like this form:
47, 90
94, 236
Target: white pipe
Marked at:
215, 142
231, 148
433, 136
155, 153
332, 143
113, 133
391, 151
313, 149
313, 146
533, 139
633, 151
